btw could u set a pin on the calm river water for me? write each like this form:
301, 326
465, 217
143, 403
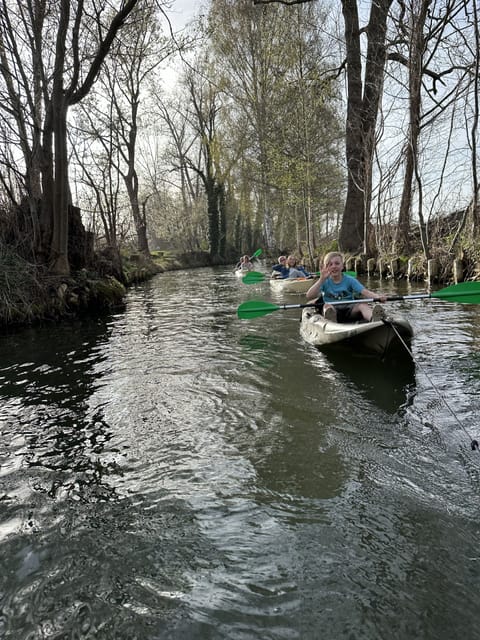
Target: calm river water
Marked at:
173, 472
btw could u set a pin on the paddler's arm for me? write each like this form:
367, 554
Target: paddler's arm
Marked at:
366, 293
315, 289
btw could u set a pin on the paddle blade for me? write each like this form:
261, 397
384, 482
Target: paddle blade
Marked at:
252, 277
257, 253
254, 309
466, 292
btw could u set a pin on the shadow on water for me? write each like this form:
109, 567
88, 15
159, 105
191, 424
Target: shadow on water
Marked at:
388, 384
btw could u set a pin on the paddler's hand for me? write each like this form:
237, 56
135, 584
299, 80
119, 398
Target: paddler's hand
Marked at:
324, 273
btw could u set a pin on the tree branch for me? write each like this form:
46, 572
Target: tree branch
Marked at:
287, 2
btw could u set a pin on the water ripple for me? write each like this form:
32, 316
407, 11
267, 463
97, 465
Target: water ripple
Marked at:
173, 471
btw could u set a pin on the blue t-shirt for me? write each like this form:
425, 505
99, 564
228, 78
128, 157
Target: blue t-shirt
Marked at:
281, 269
348, 288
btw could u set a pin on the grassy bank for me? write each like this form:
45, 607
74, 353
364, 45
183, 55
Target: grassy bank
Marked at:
29, 295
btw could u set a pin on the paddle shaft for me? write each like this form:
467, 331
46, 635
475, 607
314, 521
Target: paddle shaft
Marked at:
414, 296
336, 302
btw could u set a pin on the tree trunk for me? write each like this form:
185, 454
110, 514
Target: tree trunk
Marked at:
59, 246
58, 261
222, 210
415, 73
131, 183
213, 226
362, 109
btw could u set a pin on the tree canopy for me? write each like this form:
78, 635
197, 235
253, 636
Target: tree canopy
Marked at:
280, 123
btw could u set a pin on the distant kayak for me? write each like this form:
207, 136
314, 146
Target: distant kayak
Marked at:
241, 273
291, 285
383, 339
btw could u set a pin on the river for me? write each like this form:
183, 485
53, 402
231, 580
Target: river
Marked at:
173, 472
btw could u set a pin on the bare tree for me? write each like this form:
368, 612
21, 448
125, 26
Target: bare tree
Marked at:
97, 157
182, 143
416, 38
135, 58
425, 31
54, 67
205, 105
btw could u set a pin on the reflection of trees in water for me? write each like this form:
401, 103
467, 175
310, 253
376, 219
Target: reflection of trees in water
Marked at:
47, 382
290, 450
73, 451
299, 454
258, 350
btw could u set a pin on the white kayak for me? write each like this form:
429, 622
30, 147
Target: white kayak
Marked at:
386, 338
291, 285
240, 273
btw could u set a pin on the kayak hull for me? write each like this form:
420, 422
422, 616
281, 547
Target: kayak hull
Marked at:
385, 340
291, 285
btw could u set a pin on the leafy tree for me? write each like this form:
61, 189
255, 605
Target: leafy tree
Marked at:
280, 112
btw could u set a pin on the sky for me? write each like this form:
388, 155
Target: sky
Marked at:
182, 11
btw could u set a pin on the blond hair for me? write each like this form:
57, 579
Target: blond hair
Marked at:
330, 255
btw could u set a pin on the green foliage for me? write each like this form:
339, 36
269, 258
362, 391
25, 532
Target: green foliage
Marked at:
331, 245
108, 292
283, 118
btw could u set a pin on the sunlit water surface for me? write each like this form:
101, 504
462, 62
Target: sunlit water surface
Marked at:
174, 472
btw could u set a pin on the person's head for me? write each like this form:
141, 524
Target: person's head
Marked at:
245, 258
282, 259
333, 258
291, 261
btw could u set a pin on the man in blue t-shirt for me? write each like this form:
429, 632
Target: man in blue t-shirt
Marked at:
280, 270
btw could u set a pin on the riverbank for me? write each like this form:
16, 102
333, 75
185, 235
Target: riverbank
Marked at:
29, 295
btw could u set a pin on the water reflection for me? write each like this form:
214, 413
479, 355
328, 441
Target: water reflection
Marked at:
80, 557
257, 350
390, 385
46, 383
174, 472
